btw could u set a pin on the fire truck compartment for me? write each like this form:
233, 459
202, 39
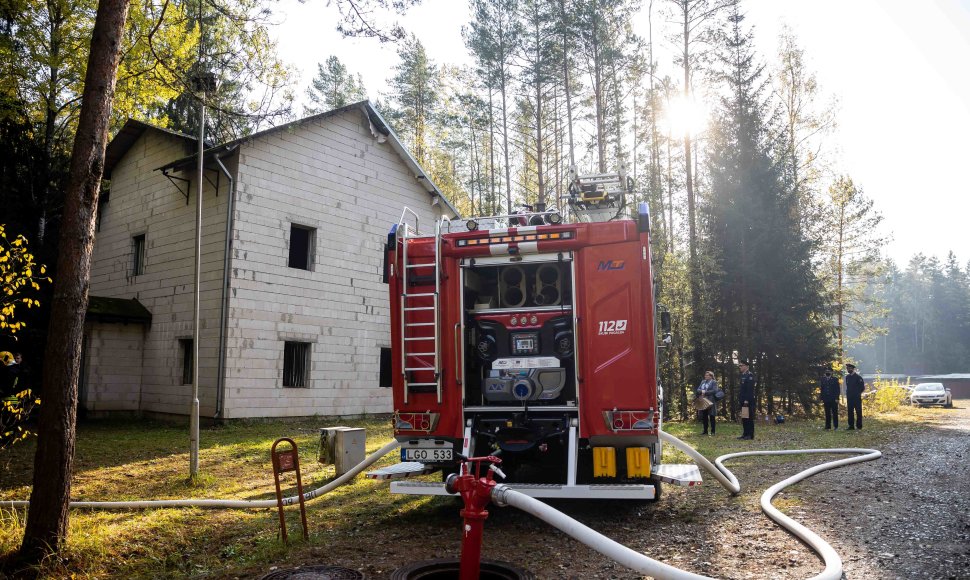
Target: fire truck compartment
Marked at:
519, 327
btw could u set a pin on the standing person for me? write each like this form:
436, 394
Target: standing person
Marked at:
830, 387
709, 390
854, 385
747, 401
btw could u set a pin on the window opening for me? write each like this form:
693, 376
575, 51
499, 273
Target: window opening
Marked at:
186, 348
138, 255
385, 378
301, 247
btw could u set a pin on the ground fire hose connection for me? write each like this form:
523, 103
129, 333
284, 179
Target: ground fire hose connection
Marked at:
504, 496
226, 503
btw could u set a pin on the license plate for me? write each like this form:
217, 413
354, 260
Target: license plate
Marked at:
428, 454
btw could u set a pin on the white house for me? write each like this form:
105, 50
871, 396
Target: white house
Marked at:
294, 316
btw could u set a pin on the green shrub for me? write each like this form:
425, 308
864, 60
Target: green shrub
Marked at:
889, 395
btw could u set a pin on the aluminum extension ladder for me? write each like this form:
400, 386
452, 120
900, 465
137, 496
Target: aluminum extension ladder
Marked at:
415, 339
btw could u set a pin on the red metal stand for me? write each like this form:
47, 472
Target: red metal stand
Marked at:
284, 461
476, 493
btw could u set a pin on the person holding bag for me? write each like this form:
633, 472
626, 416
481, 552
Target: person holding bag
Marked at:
708, 390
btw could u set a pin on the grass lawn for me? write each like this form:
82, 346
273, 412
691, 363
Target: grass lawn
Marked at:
119, 460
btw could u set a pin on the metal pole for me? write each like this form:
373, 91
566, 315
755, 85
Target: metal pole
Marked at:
194, 417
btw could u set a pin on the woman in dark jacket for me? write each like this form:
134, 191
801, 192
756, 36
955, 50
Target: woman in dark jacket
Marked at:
708, 389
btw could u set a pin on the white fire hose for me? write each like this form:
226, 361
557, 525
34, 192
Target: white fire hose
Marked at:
226, 503
503, 496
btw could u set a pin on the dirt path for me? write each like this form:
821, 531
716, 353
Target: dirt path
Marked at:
910, 514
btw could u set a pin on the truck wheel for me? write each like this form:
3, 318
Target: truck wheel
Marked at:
657, 489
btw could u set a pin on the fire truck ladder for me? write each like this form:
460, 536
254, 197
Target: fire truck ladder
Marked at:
417, 344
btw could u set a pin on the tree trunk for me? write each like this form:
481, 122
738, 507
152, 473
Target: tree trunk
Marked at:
492, 194
692, 267
541, 182
505, 139
565, 75
47, 518
56, 18
598, 97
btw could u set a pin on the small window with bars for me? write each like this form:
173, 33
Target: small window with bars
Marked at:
186, 350
296, 364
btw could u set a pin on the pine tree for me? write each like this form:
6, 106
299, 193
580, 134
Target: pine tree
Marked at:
762, 287
851, 243
695, 19
540, 53
493, 37
254, 87
47, 518
334, 87
414, 96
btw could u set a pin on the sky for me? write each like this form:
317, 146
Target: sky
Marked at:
898, 69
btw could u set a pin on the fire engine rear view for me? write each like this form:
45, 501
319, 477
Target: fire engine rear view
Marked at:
534, 340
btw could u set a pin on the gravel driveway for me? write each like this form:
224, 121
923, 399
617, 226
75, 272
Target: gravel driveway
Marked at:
906, 515
910, 513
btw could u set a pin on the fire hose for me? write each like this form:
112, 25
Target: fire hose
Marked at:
504, 496
227, 503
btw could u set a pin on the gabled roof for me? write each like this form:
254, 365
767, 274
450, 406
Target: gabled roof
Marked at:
127, 136
379, 128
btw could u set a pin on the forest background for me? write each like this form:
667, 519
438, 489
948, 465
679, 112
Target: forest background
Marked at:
763, 249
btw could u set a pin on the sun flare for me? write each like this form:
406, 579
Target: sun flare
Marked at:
685, 116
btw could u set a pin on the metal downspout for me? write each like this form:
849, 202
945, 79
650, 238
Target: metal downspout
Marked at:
221, 373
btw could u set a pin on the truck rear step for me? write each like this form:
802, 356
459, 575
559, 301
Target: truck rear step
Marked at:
401, 470
542, 490
683, 474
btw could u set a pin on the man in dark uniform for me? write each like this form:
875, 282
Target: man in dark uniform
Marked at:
747, 401
830, 399
854, 385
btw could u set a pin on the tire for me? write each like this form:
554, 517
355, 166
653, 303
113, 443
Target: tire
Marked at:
949, 404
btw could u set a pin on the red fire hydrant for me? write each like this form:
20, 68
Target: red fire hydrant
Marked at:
476, 492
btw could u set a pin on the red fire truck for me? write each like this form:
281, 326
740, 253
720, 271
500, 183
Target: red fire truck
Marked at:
532, 339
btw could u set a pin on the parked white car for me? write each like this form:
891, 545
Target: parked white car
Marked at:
931, 394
